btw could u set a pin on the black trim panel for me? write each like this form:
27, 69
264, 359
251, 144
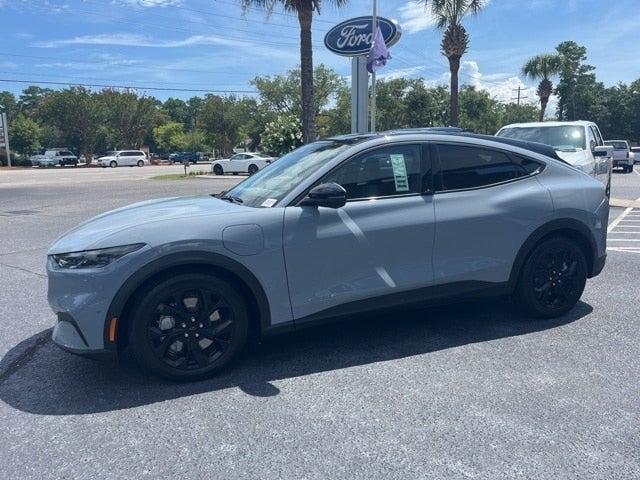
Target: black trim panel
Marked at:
433, 295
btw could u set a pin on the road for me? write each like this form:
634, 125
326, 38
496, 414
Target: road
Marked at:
473, 390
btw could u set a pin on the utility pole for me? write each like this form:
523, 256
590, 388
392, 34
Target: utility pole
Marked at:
374, 29
5, 131
519, 97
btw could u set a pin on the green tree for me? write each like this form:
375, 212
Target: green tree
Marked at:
221, 119
8, 104
130, 118
514, 113
24, 135
577, 84
479, 112
170, 137
427, 107
77, 113
455, 41
543, 67
304, 9
32, 99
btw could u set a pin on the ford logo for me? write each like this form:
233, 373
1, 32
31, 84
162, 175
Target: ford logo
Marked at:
353, 37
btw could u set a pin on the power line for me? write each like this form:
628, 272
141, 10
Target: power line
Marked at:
129, 87
519, 97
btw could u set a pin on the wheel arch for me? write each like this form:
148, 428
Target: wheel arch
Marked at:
193, 262
565, 227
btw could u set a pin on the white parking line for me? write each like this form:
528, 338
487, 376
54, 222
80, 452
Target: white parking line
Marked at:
624, 232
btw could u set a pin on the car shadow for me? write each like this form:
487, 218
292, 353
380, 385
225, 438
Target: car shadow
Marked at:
39, 378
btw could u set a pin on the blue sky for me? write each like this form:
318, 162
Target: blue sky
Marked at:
210, 45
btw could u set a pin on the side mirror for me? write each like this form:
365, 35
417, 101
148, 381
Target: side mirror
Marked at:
603, 151
330, 195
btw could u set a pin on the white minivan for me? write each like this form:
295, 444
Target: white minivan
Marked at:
121, 158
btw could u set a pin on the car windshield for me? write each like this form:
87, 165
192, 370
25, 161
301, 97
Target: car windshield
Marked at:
616, 145
273, 183
561, 137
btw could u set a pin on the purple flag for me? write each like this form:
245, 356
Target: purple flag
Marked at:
379, 53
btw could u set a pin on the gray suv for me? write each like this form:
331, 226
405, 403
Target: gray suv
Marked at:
341, 226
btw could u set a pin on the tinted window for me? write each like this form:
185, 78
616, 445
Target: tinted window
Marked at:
65, 153
470, 167
617, 145
383, 172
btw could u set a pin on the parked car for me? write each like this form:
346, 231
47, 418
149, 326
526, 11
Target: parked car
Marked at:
247, 162
123, 158
578, 143
635, 152
622, 156
53, 157
184, 157
343, 225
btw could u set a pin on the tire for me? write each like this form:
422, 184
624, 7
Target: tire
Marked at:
252, 169
140, 163
113, 164
217, 170
553, 278
188, 326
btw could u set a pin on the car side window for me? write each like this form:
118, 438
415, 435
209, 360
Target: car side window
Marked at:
383, 172
464, 167
597, 135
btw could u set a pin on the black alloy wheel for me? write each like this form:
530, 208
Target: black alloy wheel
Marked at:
553, 278
252, 169
189, 326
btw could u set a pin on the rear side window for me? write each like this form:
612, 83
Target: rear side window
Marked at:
463, 167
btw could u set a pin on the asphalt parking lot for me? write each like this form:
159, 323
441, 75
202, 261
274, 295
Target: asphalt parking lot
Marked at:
474, 390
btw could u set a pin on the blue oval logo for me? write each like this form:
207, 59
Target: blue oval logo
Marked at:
353, 37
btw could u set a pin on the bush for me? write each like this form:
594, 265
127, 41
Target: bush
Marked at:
282, 135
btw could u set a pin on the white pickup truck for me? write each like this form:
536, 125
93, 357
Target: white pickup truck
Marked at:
622, 156
578, 143
53, 157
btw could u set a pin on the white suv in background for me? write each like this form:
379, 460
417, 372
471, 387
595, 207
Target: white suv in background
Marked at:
578, 143
120, 158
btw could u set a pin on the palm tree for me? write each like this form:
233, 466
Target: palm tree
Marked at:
455, 41
304, 10
543, 67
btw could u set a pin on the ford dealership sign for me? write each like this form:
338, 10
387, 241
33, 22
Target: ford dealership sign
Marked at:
353, 37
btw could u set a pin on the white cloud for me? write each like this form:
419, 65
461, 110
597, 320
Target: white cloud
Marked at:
152, 3
414, 17
137, 40
401, 73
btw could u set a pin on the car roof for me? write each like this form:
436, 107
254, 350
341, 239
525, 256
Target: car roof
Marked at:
535, 147
576, 123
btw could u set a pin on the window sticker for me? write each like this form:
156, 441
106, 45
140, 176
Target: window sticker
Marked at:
269, 202
399, 172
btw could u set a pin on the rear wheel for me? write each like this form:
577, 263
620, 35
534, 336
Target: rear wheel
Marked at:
113, 164
189, 326
553, 278
217, 169
252, 169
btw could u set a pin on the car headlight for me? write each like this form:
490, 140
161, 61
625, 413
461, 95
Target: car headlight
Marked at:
94, 258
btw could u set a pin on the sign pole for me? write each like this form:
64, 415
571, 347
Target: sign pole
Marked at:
374, 28
359, 95
5, 129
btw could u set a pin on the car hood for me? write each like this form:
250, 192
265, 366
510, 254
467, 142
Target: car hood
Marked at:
91, 233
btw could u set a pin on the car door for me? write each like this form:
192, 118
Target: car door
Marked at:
487, 202
378, 244
603, 165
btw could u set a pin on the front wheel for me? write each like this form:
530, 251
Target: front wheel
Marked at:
113, 164
553, 278
189, 326
140, 163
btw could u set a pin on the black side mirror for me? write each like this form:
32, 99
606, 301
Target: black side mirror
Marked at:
330, 195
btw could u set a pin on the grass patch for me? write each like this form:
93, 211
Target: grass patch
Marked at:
179, 176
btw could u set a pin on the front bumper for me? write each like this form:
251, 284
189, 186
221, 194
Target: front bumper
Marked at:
68, 336
627, 162
598, 265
